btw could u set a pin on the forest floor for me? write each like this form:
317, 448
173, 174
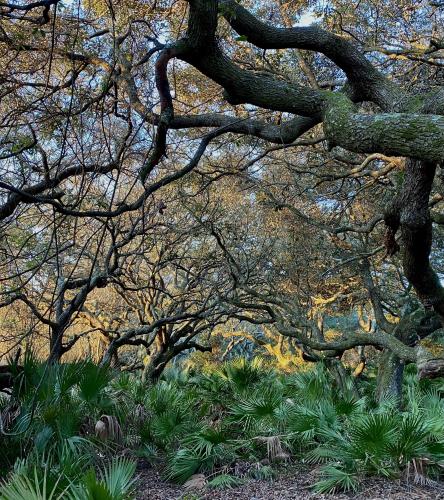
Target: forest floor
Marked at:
291, 484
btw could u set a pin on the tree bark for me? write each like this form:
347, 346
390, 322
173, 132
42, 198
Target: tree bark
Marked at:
157, 364
390, 377
56, 350
344, 383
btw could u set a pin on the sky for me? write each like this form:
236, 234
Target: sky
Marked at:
307, 19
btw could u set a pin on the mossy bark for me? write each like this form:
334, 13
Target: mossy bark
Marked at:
390, 376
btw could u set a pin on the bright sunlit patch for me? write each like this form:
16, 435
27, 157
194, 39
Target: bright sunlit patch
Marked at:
308, 18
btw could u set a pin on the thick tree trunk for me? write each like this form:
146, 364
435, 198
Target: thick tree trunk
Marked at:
410, 212
390, 376
111, 356
391, 367
56, 350
155, 367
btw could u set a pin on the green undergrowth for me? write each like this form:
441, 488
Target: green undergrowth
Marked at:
78, 429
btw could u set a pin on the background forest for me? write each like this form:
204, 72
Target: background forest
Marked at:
221, 230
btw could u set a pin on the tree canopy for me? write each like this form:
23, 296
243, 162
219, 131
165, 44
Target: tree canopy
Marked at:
173, 168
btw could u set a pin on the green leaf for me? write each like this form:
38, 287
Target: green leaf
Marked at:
182, 465
225, 481
336, 479
119, 477
43, 438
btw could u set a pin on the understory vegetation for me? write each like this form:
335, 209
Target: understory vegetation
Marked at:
77, 430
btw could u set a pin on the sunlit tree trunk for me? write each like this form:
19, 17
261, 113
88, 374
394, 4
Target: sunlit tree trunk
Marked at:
156, 365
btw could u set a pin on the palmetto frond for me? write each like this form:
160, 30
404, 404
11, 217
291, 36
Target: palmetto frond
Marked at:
22, 486
182, 465
336, 479
259, 410
244, 374
225, 481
